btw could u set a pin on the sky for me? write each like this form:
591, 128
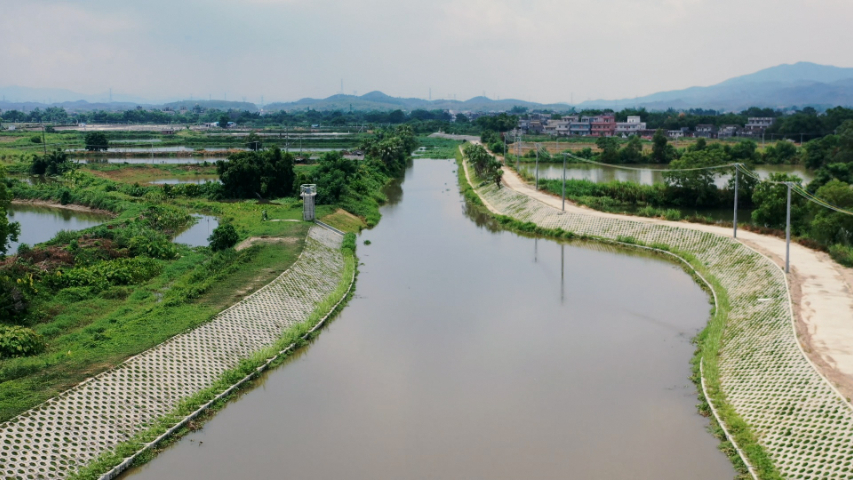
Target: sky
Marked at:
538, 50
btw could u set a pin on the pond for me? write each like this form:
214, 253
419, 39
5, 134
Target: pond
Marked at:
644, 174
152, 161
40, 223
197, 234
474, 353
179, 180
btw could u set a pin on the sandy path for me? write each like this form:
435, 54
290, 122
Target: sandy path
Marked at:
821, 289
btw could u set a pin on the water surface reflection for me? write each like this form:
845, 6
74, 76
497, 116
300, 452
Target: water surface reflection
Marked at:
474, 353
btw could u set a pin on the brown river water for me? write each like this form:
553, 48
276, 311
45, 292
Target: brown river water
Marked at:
474, 353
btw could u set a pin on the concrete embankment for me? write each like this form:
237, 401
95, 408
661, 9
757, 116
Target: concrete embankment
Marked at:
795, 419
73, 429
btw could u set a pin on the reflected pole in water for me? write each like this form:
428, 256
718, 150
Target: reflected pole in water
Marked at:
735, 215
562, 273
535, 250
564, 182
788, 233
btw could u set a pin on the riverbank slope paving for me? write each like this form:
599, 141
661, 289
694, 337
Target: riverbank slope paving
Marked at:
798, 416
56, 438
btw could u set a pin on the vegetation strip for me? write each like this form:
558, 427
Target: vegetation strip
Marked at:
775, 406
98, 416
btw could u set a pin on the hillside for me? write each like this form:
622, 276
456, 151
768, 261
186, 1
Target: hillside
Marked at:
800, 84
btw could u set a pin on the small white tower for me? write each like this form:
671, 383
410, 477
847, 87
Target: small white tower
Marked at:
309, 191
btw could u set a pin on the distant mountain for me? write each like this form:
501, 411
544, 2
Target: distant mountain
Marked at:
801, 84
380, 101
17, 94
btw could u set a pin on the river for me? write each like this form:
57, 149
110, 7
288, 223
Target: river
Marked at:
474, 353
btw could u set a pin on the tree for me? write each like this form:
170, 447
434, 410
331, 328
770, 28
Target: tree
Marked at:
632, 152
267, 174
770, 200
743, 151
223, 121
461, 118
9, 231
660, 152
609, 149
223, 237
828, 226
54, 163
397, 116
783, 152
96, 142
254, 142
695, 187
485, 165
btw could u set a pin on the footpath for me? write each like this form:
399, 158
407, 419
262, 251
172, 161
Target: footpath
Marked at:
73, 429
796, 412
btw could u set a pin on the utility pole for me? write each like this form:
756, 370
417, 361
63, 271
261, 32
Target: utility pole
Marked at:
517, 151
564, 183
43, 141
737, 170
788, 232
536, 146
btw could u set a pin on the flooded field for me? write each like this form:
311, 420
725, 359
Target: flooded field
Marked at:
40, 224
474, 353
198, 233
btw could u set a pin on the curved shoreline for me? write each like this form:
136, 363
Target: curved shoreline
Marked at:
70, 206
772, 397
141, 402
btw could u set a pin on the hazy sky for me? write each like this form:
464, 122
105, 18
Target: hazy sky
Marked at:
540, 50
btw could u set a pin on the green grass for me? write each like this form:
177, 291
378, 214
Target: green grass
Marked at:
440, 148
88, 334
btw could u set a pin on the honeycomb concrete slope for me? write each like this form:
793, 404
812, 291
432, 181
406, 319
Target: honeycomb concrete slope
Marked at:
803, 424
74, 428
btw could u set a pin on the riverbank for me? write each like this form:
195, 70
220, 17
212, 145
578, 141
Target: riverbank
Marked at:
149, 394
750, 355
70, 206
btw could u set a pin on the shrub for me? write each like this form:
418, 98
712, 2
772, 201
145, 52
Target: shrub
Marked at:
842, 254
349, 242
121, 271
672, 214
223, 237
13, 302
18, 341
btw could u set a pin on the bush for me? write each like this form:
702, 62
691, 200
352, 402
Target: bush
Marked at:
101, 275
13, 302
19, 341
223, 237
349, 242
842, 254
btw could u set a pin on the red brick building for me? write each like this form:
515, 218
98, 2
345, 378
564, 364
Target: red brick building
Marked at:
604, 125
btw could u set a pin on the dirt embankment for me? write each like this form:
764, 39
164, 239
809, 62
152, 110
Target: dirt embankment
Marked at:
76, 208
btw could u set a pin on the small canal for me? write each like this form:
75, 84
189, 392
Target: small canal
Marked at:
474, 353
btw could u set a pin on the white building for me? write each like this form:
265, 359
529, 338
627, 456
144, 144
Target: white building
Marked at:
632, 127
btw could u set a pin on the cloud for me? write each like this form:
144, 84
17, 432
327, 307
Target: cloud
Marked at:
546, 50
